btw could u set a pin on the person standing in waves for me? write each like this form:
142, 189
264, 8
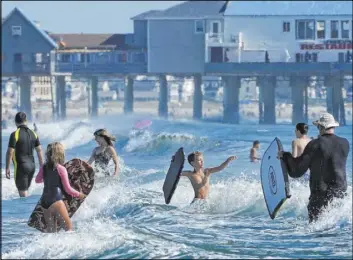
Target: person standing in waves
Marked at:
326, 157
20, 150
105, 151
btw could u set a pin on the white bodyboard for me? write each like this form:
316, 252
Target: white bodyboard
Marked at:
274, 178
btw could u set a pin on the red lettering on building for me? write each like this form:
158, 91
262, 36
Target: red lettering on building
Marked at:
327, 46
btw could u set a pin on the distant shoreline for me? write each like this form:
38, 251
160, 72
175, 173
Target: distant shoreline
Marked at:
212, 111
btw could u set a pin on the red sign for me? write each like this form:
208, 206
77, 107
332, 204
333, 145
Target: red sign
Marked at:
328, 45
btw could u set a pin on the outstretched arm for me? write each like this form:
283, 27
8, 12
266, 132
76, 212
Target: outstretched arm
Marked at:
299, 165
186, 173
221, 167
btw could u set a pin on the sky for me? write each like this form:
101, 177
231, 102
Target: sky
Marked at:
85, 16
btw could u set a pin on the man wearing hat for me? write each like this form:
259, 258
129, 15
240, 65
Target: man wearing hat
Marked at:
326, 157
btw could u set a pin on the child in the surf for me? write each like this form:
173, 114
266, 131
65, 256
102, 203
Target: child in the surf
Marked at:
55, 178
105, 151
200, 177
253, 152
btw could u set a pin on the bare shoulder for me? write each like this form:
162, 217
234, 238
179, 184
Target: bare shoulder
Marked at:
110, 149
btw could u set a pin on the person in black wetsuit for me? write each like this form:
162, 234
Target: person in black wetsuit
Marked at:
102, 154
326, 157
20, 150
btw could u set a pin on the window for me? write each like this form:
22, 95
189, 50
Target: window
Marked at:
215, 27
334, 29
199, 26
345, 57
122, 57
320, 29
345, 29
16, 30
65, 58
305, 30
306, 57
286, 26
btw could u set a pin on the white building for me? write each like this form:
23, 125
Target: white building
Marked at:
289, 31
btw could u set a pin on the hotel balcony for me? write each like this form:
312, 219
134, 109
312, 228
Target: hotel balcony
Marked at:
222, 40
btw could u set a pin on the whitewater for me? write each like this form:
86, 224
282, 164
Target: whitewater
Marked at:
126, 217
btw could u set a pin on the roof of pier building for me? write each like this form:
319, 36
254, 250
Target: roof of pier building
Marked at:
187, 9
93, 41
269, 8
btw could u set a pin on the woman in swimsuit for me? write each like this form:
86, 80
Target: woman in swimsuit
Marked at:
55, 178
102, 154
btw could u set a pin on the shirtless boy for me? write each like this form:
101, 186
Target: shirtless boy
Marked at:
299, 144
200, 177
253, 151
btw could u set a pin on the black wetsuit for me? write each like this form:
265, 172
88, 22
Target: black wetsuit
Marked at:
23, 140
326, 158
53, 187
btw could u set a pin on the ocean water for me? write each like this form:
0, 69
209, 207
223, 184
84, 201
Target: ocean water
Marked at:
126, 217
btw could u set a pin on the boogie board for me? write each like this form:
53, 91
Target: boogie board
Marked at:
173, 175
81, 178
274, 178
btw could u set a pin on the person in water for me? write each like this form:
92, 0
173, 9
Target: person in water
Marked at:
326, 157
253, 151
200, 177
20, 150
299, 144
105, 151
55, 178
35, 127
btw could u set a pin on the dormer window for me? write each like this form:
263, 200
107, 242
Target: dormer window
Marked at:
16, 30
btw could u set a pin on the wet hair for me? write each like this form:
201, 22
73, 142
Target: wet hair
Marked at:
191, 156
255, 142
20, 118
107, 137
302, 128
55, 154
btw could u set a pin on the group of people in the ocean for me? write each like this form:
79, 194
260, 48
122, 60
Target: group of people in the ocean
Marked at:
325, 157
52, 173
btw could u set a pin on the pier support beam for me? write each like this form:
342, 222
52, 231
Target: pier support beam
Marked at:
54, 104
267, 102
129, 95
25, 96
197, 113
163, 97
61, 96
94, 96
334, 98
298, 85
231, 99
